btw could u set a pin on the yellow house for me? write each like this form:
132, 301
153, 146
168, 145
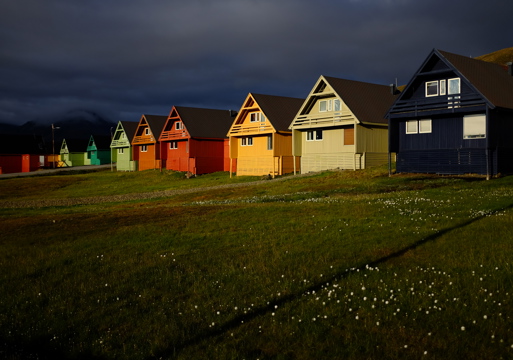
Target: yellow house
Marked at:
342, 125
260, 141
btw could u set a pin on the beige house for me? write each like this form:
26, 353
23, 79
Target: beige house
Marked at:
342, 125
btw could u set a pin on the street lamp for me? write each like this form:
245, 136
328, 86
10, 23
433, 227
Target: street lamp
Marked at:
53, 143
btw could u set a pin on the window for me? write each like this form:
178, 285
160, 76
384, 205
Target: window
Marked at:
257, 116
178, 125
314, 135
442, 87
269, 142
121, 150
322, 106
412, 127
336, 105
147, 131
474, 126
431, 88
424, 126
246, 141
144, 148
454, 86
173, 145
327, 105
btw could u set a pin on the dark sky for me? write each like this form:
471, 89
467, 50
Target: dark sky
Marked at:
125, 58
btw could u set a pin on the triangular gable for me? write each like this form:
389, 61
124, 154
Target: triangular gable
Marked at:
124, 133
155, 124
365, 102
174, 128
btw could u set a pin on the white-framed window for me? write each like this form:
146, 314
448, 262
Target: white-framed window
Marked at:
337, 106
147, 131
173, 145
246, 141
178, 125
442, 87
121, 150
144, 148
474, 126
269, 142
431, 88
424, 126
323, 106
314, 135
327, 105
454, 86
257, 117
412, 127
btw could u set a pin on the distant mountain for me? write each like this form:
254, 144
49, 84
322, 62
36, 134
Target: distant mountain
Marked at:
501, 57
77, 124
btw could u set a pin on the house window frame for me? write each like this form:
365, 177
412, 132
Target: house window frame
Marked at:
411, 131
467, 123
246, 141
144, 148
429, 84
178, 125
337, 105
147, 131
449, 87
121, 151
173, 145
269, 142
314, 135
256, 117
425, 122
442, 87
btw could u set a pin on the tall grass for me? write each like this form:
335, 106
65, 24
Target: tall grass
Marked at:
338, 265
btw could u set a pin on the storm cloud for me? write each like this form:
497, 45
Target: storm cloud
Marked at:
125, 58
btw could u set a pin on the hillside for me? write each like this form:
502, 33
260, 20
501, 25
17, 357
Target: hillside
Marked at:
501, 57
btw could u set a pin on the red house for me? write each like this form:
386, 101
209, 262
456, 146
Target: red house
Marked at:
145, 144
21, 153
194, 140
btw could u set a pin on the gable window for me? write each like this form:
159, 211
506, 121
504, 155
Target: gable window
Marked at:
146, 131
257, 116
412, 127
474, 126
314, 135
246, 141
121, 150
173, 145
336, 105
454, 86
178, 125
431, 88
424, 126
269, 142
323, 106
442, 87
144, 148
327, 105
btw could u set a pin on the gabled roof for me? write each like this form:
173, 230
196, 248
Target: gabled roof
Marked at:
279, 110
490, 79
156, 124
76, 145
102, 142
368, 102
130, 128
205, 123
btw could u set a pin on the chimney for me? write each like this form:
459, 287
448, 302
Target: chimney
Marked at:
393, 89
510, 68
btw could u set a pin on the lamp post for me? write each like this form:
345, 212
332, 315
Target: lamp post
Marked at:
53, 143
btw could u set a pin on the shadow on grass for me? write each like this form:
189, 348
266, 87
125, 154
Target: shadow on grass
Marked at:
175, 349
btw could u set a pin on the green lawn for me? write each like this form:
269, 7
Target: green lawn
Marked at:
342, 265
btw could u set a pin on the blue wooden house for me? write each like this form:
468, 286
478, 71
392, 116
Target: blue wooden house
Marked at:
98, 150
455, 116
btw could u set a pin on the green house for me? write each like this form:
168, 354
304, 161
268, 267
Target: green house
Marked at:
121, 147
98, 150
74, 152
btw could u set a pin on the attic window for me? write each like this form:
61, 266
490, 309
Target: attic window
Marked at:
257, 116
454, 86
178, 125
326, 105
431, 88
147, 131
336, 105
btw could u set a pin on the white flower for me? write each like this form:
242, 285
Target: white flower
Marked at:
463, 328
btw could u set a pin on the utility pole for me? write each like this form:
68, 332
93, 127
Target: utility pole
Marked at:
53, 143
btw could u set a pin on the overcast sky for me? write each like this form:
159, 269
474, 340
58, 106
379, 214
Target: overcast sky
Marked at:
125, 58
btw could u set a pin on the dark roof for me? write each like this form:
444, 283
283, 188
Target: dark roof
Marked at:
130, 127
156, 124
490, 79
205, 123
102, 142
76, 145
279, 110
21, 144
368, 102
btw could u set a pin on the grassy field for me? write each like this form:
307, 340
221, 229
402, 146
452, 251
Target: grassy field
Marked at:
340, 265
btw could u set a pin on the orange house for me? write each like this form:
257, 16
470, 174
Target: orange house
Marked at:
194, 140
145, 144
